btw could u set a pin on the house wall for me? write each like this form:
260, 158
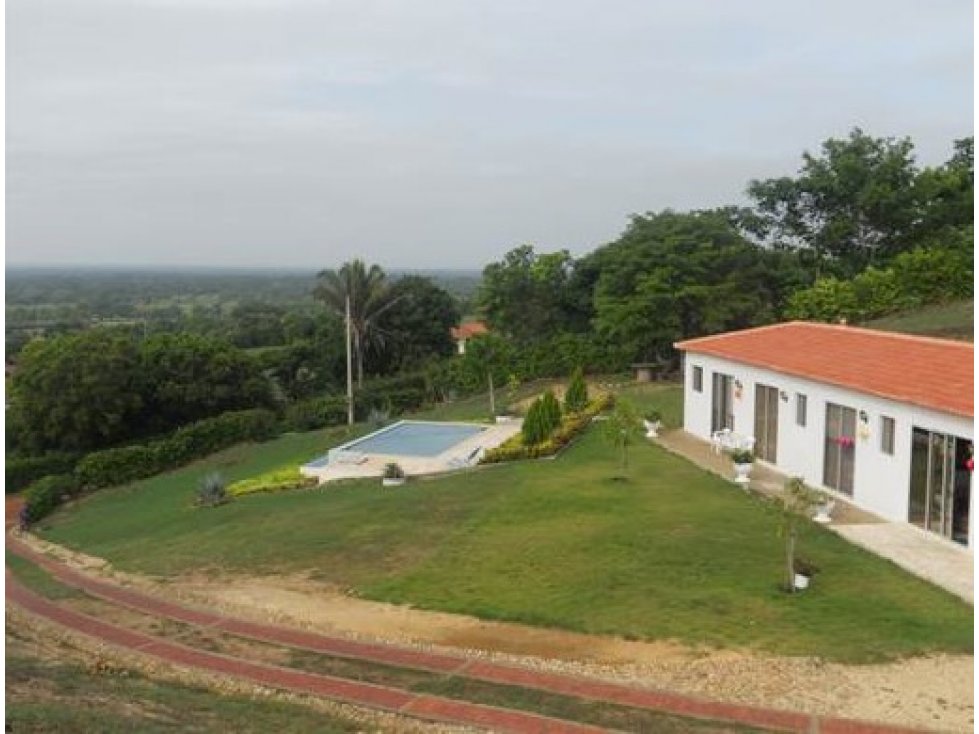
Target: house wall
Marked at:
881, 481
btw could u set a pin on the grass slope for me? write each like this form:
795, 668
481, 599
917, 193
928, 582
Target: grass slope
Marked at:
673, 553
44, 695
948, 320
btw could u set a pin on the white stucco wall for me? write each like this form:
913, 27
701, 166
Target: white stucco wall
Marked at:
881, 481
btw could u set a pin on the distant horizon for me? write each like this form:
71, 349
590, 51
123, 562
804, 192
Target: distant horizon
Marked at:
299, 270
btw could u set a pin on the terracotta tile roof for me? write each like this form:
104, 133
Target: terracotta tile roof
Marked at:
470, 329
934, 373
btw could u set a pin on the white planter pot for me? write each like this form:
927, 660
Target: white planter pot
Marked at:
822, 517
801, 581
652, 428
742, 473
392, 482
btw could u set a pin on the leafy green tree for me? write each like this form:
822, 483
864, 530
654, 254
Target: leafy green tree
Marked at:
489, 356
576, 397
672, 275
945, 198
418, 323
853, 204
621, 428
257, 324
370, 297
798, 502
187, 377
529, 295
78, 392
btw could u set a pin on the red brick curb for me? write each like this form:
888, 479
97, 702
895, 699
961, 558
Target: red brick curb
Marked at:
660, 701
366, 694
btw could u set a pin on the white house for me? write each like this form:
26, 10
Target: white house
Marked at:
464, 332
883, 419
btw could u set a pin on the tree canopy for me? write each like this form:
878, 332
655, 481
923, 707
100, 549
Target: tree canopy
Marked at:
862, 200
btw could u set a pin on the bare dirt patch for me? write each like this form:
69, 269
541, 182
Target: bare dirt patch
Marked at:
933, 691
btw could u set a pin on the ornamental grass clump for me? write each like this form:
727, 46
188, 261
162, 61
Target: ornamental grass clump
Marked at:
576, 397
212, 491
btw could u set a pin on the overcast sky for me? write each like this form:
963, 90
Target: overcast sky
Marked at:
433, 133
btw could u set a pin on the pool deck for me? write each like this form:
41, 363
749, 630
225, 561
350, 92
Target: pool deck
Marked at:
462, 455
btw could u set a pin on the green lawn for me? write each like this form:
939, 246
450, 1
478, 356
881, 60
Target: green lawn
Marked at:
673, 553
947, 320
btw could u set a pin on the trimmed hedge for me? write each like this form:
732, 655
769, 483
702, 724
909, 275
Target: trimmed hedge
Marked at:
572, 425
44, 495
128, 463
308, 415
274, 481
20, 471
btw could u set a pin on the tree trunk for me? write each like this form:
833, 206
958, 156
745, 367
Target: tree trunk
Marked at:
790, 559
489, 376
360, 359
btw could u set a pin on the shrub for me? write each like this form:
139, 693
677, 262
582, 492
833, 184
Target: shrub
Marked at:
117, 466
308, 415
44, 495
576, 397
212, 491
572, 425
551, 411
393, 471
878, 292
21, 471
128, 463
935, 274
742, 456
828, 299
534, 429
277, 480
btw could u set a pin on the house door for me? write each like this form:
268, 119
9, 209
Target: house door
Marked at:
766, 422
839, 456
722, 402
941, 484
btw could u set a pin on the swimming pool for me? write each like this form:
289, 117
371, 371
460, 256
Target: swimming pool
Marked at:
406, 438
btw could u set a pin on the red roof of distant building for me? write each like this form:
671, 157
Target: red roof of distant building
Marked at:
468, 330
934, 373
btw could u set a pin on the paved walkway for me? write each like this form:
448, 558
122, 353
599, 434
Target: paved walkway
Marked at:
923, 554
377, 696
917, 551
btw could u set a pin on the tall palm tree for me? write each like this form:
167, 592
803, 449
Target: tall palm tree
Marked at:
370, 296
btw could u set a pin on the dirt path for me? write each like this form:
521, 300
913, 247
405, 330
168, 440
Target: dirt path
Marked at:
934, 691
372, 695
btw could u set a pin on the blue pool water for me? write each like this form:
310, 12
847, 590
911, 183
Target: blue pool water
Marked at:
409, 438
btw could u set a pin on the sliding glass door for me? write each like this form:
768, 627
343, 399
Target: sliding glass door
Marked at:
941, 484
839, 456
722, 402
766, 422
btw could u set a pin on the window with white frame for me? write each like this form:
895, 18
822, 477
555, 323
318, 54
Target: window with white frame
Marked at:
800, 409
887, 435
698, 378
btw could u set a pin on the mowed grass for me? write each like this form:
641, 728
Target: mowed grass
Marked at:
673, 553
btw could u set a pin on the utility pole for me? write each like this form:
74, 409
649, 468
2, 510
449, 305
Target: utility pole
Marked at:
350, 372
